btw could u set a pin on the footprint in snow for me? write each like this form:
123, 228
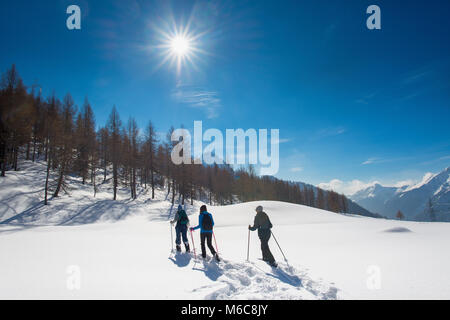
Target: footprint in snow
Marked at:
252, 280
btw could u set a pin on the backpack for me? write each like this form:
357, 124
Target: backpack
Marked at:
207, 223
182, 217
266, 224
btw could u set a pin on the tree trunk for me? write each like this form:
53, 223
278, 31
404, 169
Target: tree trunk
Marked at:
173, 191
60, 181
15, 156
133, 182
115, 180
34, 149
3, 155
28, 151
46, 182
46, 149
153, 184
95, 188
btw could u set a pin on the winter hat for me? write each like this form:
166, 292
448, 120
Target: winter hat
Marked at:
202, 208
259, 209
180, 207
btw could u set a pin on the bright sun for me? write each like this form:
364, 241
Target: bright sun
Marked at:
180, 46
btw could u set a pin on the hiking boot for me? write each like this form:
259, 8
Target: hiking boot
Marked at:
217, 257
273, 264
178, 248
187, 248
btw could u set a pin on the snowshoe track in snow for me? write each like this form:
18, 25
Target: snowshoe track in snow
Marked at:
253, 280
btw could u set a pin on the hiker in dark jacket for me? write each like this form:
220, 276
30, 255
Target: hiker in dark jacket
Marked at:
263, 225
206, 224
182, 222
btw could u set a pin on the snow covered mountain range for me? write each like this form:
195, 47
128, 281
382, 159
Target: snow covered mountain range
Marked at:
428, 200
352, 206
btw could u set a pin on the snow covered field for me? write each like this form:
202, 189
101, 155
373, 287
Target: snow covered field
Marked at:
122, 249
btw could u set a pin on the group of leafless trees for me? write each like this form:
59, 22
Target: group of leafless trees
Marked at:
68, 141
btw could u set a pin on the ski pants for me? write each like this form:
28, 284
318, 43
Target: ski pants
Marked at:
206, 236
181, 232
267, 255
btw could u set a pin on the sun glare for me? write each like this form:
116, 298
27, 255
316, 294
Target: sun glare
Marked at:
179, 47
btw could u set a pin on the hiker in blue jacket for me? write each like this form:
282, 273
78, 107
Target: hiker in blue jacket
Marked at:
182, 221
206, 224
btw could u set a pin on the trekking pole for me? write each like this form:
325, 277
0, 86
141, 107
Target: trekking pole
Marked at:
193, 245
214, 236
279, 246
171, 236
248, 246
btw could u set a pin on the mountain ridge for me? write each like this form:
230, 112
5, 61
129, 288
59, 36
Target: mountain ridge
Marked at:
428, 200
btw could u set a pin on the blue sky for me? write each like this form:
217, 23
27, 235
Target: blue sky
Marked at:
350, 103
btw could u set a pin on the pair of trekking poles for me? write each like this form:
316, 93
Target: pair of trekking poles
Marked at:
248, 246
193, 243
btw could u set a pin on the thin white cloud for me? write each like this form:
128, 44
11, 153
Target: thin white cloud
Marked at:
361, 101
426, 178
351, 187
345, 187
371, 161
296, 169
199, 98
403, 183
443, 158
377, 160
329, 132
418, 75
366, 99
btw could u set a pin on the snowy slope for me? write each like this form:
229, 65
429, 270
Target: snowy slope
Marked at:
411, 200
122, 249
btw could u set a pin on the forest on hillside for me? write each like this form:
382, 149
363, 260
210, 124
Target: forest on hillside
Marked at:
68, 140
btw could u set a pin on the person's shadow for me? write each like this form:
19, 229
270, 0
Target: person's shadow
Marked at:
181, 259
210, 269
